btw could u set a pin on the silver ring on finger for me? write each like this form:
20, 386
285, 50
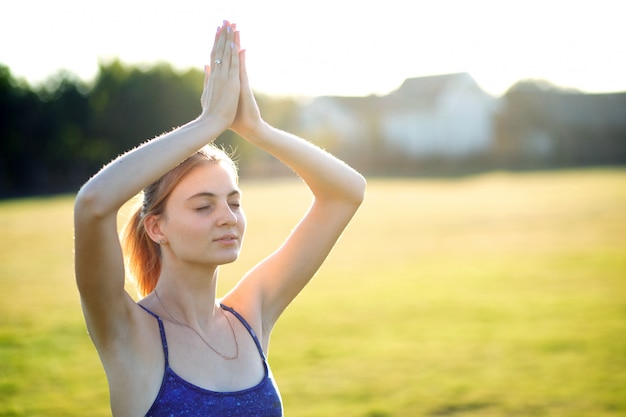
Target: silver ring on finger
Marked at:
218, 61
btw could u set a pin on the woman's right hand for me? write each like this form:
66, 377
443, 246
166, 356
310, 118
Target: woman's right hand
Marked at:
220, 96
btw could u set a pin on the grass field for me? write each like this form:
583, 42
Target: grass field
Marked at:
495, 295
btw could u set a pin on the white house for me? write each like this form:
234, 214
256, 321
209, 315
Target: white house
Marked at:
445, 116
442, 116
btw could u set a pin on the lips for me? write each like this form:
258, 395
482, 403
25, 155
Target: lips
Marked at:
226, 238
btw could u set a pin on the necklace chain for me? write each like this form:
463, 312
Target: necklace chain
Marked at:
181, 323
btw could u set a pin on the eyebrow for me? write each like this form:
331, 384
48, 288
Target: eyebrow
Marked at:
207, 194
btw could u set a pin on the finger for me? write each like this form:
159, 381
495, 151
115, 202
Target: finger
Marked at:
226, 45
220, 48
234, 63
217, 34
207, 73
237, 39
243, 72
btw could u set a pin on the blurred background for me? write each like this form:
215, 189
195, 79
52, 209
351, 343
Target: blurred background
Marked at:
485, 273
426, 88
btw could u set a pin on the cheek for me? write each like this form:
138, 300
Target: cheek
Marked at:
187, 228
241, 222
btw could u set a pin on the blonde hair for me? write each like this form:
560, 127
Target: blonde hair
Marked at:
142, 254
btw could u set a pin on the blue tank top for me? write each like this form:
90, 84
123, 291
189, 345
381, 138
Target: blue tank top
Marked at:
179, 398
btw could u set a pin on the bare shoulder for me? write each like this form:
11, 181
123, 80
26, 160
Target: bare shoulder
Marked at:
134, 363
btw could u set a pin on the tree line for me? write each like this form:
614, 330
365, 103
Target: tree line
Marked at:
540, 125
55, 136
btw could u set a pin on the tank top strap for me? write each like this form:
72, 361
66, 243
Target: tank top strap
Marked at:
248, 328
162, 331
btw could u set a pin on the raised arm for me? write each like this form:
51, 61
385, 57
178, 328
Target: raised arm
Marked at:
98, 257
338, 191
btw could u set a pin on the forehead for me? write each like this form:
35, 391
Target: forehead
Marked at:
212, 177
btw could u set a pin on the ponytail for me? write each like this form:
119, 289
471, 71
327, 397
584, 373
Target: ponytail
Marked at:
142, 253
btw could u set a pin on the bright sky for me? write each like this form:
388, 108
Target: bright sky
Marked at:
330, 47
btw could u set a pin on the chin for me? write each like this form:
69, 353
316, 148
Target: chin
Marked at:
227, 259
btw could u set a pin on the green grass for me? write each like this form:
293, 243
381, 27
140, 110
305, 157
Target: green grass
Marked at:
494, 295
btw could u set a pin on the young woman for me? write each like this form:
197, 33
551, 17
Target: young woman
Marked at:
180, 351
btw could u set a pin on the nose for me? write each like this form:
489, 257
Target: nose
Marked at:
227, 216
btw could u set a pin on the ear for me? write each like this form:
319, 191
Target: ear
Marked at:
152, 224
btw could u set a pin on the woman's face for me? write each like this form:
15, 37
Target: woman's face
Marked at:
203, 221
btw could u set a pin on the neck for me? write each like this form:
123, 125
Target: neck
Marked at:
189, 294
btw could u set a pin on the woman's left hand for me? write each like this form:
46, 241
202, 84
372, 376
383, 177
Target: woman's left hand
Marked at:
248, 117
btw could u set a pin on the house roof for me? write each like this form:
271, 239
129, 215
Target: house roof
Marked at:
423, 93
430, 87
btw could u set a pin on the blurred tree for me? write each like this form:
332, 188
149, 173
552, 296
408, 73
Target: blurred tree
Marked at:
541, 125
129, 106
19, 157
65, 119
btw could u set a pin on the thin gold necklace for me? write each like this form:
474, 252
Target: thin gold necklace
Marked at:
181, 323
